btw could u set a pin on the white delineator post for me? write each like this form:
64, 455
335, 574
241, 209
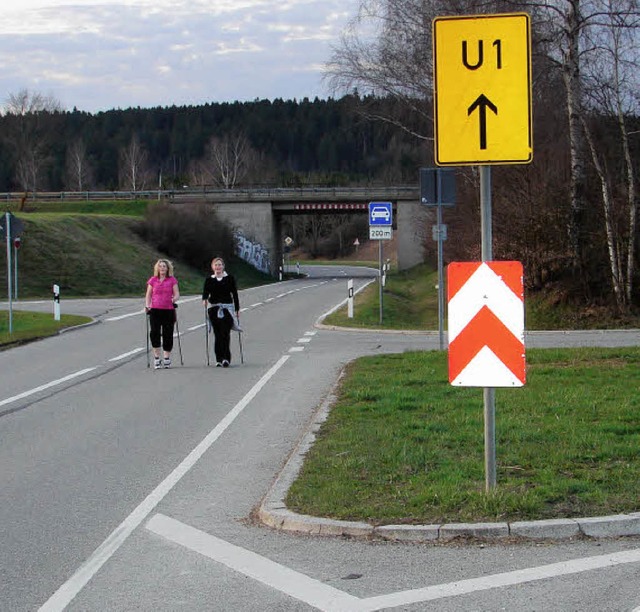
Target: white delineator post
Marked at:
350, 298
56, 302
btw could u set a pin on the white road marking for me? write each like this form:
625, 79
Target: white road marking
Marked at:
66, 593
310, 333
196, 326
303, 340
128, 354
283, 579
329, 599
138, 312
472, 585
126, 316
48, 385
296, 349
256, 304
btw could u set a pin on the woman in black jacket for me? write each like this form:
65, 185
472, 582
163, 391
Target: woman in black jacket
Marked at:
220, 295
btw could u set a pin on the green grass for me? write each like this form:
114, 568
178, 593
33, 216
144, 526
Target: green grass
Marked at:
403, 446
96, 256
410, 301
29, 326
135, 208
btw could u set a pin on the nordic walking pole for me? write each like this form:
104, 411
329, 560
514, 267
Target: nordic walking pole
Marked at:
240, 342
206, 333
146, 318
175, 314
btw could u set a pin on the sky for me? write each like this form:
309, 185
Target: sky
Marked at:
98, 55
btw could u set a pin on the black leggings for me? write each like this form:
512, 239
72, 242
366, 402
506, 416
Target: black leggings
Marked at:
222, 332
161, 322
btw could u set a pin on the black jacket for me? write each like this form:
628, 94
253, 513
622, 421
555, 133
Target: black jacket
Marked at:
221, 291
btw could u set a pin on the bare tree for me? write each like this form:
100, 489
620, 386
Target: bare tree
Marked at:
135, 173
28, 134
569, 30
79, 172
610, 84
229, 159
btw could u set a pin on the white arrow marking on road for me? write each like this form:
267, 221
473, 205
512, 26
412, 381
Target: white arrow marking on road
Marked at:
329, 599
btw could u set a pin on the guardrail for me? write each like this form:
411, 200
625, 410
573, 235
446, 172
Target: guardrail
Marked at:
407, 192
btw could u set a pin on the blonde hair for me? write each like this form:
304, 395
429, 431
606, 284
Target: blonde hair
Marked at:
156, 271
217, 259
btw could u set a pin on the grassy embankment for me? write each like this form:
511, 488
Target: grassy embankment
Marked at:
90, 249
402, 446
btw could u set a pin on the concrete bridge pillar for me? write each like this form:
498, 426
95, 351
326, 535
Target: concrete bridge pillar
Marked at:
256, 231
414, 222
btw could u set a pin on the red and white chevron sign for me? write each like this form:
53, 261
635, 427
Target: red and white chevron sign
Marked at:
486, 324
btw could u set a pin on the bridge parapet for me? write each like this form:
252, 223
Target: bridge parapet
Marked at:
299, 194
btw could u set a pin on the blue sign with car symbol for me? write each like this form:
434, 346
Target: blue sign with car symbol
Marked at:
380, 213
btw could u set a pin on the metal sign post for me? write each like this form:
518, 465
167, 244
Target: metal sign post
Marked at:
380, 228
489, 393
7, 232
483, 116
438, 188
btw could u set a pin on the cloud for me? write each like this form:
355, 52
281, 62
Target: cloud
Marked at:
98, 54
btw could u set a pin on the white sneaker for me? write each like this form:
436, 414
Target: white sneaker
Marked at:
167, 362
157, 363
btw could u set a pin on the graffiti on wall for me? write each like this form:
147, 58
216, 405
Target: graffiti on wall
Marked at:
252, 252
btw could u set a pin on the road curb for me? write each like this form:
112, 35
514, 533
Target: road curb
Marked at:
273, 512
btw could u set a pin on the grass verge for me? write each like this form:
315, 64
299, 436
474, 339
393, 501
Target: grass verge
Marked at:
28, 326
97, 256
410, 301
402, 446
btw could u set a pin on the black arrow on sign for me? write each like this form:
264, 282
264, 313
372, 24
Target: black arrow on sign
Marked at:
482, 103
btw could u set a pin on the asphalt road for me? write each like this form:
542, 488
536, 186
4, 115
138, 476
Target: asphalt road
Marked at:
124, 488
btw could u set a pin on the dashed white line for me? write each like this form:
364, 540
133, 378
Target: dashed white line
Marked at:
126, 316
48, 385
127, 354
303, 340
296, 349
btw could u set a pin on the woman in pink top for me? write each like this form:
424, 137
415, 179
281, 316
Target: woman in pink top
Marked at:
160, 304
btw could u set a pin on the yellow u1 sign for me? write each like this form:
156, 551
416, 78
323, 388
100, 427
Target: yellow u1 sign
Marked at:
482, 83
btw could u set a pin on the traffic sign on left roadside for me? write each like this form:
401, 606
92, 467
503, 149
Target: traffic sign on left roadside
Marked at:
482, 82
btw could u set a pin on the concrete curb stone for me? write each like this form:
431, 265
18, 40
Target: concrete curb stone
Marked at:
273, 512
